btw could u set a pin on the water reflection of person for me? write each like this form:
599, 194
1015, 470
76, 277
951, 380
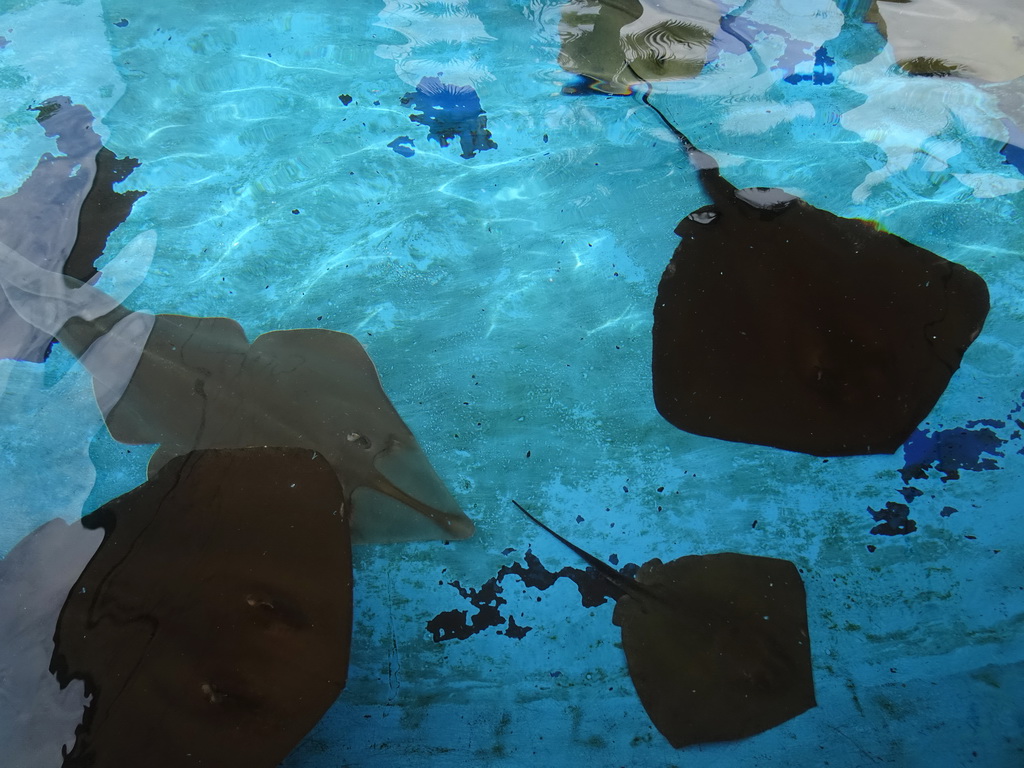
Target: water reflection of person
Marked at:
41, 218
615, 45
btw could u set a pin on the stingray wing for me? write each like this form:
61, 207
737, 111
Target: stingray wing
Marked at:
213, 625
324, 393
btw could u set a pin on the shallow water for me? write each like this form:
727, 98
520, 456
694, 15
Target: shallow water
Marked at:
506, 300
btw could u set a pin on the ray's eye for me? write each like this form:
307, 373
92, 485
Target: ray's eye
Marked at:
360, 440
213, 694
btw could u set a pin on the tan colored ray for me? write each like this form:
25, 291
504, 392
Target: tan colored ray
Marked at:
190, 383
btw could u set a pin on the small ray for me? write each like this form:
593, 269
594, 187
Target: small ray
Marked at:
716, 645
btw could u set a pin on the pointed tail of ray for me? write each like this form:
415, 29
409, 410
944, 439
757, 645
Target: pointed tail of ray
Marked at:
717, 188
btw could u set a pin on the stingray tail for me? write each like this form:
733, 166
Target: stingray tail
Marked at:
717, 188
624, 583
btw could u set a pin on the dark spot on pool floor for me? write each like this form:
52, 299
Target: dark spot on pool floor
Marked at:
910, 493
942, 454
403, 145
514, 630
450, 111
893, 520
950, 450
103, 211
452, 625
594, 590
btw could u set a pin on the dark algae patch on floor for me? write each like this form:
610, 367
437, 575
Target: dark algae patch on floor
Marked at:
487, 599
974, 447
893, 519
450, 112
103, 211
942, 454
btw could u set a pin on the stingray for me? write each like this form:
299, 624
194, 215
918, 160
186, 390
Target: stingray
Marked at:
196, 382
38, 717
63, 213
614, 44
213, 624
781, 324
716, 645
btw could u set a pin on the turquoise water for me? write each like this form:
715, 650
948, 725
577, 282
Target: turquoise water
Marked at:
506, 300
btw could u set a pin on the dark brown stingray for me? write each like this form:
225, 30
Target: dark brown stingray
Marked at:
781, 324
717, 645
197, 382
213, 625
